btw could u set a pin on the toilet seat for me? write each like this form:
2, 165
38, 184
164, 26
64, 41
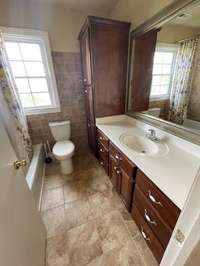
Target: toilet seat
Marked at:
63, 149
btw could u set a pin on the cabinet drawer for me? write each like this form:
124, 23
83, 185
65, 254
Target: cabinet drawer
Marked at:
148, 235
114, 174
158, 226
128, 167
101, 138
164, 206
115, 153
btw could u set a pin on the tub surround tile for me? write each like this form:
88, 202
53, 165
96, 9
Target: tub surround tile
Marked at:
67, 67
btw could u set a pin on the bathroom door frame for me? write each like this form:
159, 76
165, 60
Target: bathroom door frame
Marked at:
188, 223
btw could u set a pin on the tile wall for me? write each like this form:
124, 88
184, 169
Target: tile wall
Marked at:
67, 68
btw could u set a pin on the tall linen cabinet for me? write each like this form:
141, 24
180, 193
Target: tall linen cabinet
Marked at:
104, 55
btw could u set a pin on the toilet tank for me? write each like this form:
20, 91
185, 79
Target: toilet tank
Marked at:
61, 130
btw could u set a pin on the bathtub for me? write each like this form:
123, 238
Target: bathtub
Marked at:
192, 124
35, 174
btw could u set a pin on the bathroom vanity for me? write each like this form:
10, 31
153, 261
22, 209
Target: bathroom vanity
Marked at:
153, 178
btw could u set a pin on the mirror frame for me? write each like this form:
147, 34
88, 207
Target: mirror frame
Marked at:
159, 19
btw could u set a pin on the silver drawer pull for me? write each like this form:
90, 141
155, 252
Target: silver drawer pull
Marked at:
154, 200
144, 235
101, 150
148, 218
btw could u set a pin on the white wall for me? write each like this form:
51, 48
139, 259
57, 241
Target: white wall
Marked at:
137, 11
172, 33
62, 24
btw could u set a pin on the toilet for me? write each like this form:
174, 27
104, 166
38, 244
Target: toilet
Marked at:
63, 150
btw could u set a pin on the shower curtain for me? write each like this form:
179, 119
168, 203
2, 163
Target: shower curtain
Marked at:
12, 111
182, 81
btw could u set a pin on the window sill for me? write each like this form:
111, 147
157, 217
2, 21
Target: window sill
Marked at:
46, 110
159, 98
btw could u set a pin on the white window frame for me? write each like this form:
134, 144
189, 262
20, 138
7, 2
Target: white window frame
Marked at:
40, 37
166, 47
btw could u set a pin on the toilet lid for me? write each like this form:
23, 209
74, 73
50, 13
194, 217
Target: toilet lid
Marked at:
63, 148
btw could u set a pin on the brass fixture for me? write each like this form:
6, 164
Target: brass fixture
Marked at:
19, 164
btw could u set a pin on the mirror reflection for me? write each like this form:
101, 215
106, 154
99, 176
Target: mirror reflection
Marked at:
175, 87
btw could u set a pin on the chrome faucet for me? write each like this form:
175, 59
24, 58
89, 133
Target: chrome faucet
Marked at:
151, 134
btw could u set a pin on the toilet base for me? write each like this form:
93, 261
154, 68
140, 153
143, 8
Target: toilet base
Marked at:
66, 166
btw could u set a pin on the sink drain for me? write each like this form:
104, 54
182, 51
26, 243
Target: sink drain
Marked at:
143, 151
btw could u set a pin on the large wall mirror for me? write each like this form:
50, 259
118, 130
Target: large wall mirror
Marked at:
164, 81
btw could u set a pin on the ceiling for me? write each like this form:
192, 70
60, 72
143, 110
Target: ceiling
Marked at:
87, 6
190, 18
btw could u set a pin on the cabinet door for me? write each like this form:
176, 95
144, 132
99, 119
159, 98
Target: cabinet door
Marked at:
91, 130
86, 57
88, 90
126, 189
142, 67
115, 174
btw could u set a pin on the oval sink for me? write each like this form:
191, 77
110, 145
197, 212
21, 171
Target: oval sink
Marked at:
143, 145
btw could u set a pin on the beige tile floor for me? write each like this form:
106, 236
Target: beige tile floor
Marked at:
86, 222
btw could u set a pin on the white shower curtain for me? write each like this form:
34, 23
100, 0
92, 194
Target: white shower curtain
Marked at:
12, 111
182, 81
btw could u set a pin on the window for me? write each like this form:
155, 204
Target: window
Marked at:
163, 67
29, 59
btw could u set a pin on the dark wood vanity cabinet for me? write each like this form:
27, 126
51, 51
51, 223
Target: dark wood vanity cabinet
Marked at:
154, 214
122, 173
103, 150
104, 52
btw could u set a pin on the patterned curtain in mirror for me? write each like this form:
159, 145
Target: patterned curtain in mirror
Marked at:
182, 81
12, 112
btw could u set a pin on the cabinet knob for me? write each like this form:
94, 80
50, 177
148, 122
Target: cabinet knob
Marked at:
85, 80
100, 138
117, 156
101, 150
118, 172
88, 124
85, 91
101, 163
115, 167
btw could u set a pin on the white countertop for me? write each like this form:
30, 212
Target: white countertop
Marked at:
173, 173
